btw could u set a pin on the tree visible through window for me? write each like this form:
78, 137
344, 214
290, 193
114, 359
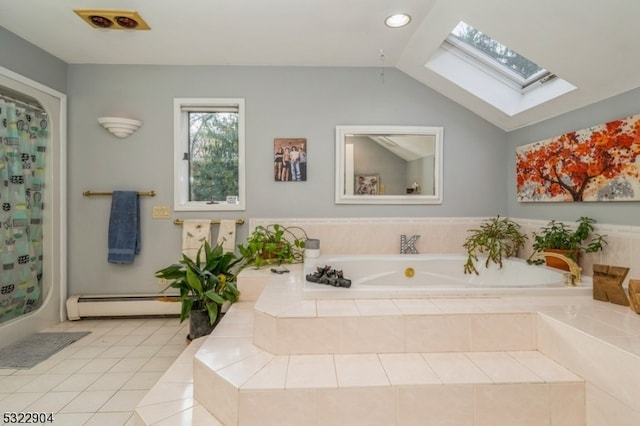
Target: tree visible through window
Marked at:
486, 50
213, 155
209, 154
499, 52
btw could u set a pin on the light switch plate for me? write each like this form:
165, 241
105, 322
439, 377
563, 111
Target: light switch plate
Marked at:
161, 212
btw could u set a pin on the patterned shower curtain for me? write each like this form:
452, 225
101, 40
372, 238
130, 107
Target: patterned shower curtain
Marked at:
23, 136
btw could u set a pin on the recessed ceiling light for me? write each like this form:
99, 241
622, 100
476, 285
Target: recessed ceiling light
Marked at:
398, 20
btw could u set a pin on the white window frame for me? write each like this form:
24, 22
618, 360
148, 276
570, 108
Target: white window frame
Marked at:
486, 63
181, 145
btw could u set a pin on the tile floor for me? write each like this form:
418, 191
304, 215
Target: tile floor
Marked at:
102, 378
99, 379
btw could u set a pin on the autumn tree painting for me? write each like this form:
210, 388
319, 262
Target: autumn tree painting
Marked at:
600, 163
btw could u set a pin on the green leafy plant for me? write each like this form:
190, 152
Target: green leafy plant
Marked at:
204, 284
559, 236
497, 238
273, 244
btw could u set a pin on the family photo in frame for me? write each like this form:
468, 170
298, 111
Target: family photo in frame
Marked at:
367, 184
290, 159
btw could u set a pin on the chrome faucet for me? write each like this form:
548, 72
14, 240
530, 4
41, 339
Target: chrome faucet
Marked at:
574, 277
408, 244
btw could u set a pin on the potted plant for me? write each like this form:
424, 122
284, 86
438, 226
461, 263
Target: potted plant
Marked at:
205, 284
273, 244
570, 241
497, 238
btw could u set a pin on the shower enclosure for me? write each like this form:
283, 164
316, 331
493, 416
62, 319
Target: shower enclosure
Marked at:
32, 206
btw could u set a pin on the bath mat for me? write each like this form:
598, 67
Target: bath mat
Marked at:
33, 350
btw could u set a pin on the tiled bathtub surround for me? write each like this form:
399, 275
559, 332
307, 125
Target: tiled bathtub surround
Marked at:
243, 384
623, 248
345, 327
598, 341
381, 235
447, 235
612, 375
585, 352
279, 359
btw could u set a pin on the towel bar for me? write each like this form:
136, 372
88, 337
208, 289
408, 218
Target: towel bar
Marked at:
213, 222
91, 193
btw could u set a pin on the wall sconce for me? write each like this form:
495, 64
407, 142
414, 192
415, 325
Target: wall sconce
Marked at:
120, 127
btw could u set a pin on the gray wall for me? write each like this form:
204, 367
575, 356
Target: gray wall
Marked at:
622, 213
280, 103
22, 57
372, 159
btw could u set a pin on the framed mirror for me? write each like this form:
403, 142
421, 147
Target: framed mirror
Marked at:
389, 165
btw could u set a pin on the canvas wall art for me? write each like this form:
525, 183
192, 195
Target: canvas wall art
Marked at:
290, 159
600, 163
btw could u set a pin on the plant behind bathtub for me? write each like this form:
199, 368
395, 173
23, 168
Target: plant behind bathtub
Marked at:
273, 244
497, 238
570, 240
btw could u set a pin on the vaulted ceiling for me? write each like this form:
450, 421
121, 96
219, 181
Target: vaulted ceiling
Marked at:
591, 44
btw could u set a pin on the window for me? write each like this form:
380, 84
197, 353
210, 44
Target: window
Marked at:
487, 52
493, 73
209, 154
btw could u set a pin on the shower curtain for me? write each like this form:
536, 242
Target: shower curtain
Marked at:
23, 136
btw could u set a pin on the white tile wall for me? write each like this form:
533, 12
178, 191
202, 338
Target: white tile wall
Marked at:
447, 235
314, 365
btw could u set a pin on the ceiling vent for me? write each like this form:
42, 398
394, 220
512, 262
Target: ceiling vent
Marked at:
113, 19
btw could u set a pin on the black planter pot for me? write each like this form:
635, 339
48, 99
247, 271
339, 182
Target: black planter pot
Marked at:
199, 324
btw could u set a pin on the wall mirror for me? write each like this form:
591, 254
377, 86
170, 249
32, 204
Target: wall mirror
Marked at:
389, 165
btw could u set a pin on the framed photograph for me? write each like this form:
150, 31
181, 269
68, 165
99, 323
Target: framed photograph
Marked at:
290, 159
367, 184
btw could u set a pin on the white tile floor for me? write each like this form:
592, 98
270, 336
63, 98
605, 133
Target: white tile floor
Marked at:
99, 379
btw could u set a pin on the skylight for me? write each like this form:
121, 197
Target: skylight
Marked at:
495, 55
493, 73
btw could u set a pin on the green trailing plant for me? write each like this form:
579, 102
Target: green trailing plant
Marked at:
273, 244
497, 238
558, 235
204, 284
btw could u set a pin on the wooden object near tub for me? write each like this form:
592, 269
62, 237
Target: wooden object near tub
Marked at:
607, 284
634, 295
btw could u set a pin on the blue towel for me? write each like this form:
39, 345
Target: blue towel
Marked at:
124, 227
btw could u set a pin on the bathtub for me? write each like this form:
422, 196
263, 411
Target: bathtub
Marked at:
436, 275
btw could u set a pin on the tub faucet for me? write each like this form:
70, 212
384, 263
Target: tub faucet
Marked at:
407, 245
574, 269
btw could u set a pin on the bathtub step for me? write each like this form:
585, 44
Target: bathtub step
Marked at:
287, 324
388, 326
240, 383
226, 379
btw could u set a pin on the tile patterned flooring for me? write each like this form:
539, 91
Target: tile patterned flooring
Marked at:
99, 379
102, 378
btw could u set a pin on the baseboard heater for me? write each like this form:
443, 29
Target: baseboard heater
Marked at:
122, 305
